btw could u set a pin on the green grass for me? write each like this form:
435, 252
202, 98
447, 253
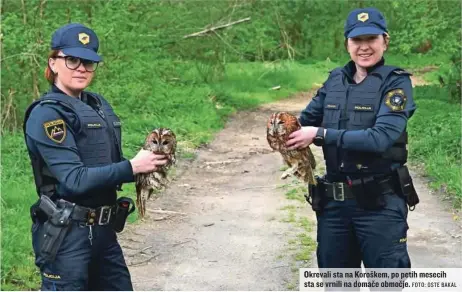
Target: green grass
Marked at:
296, 193
435, 139
187, 107
17, 196
302, 245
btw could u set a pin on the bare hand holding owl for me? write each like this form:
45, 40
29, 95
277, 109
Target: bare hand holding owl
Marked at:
146, 161
301, 138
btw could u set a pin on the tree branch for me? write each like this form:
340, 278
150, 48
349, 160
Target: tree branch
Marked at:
215, 28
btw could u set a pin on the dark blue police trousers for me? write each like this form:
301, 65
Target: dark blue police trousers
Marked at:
84, 265
349, 234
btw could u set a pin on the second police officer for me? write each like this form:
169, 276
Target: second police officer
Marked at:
74, 141
359, 117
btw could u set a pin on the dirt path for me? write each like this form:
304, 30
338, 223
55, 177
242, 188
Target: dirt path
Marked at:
232, 231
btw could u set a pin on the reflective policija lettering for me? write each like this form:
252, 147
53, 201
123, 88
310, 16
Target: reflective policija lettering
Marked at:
51, 276
363, 107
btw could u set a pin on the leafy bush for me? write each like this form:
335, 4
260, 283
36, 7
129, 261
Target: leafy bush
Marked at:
136, 33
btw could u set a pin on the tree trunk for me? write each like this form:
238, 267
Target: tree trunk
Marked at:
24, 14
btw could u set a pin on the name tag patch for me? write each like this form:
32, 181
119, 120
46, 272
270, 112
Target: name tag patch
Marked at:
364, 107
94, 125
332, 106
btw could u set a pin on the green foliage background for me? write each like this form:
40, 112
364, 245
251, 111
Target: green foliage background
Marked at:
154, 76
138, 33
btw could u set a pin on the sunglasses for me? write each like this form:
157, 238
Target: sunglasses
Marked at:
73, 63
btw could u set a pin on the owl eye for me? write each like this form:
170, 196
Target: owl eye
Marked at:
154, 142
165, 143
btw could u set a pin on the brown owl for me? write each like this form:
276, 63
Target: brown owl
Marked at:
301, 161
159, 141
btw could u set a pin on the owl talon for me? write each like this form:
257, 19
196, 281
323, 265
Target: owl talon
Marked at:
288, 172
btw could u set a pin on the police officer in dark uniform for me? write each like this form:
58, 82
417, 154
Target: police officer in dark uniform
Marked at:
359, 117
74, 141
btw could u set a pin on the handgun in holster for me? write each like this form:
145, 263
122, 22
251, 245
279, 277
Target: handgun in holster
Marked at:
406, 187
55, 228
316, 195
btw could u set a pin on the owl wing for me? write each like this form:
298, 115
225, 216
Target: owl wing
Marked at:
311, 159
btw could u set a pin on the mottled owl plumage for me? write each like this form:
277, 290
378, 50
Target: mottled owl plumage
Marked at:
159, 141
301, 161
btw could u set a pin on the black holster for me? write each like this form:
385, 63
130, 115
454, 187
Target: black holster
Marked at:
316, 196
406, 187
37, 215
55, 230
122, 212
368, 193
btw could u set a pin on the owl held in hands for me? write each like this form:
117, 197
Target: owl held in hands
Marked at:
301, 161
158, 141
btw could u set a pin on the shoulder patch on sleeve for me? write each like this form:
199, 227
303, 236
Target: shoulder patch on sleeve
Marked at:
55, 130
395, 99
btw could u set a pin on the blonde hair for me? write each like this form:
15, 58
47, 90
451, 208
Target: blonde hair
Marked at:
49, 74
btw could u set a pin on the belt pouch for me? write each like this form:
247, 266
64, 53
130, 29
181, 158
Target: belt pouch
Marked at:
406, 187
122, 211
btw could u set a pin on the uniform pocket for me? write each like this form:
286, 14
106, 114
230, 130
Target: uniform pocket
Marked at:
397, 204
331, 116
117, 125
362, 119
95, 134
396, 257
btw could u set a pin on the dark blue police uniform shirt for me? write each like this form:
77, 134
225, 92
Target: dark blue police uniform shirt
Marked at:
388, 126
63, 161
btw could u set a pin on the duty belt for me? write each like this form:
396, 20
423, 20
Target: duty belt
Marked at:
339, 191
97, 216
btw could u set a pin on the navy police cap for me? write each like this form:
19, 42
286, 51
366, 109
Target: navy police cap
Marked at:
365, 21
76, 40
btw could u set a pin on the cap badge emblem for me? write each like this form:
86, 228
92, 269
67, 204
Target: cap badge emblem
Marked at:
84, 38
363, 16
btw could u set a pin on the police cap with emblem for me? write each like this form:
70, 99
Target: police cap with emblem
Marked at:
76, 40
365, 21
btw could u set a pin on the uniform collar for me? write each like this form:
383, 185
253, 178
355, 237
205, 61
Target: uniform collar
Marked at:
55, 89
350, 68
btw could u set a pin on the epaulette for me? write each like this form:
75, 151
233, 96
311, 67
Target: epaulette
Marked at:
401, 72
335, 71
48, 101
